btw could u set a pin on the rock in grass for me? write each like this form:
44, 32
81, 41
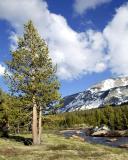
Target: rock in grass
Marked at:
28, 141
124, 146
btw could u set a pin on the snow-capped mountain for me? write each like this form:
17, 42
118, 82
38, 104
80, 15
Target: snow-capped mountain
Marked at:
112, 91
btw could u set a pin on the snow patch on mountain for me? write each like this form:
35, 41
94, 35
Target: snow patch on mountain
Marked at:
112, 91
110, 83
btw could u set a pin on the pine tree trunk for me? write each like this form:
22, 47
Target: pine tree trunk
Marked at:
34, 123
40, 125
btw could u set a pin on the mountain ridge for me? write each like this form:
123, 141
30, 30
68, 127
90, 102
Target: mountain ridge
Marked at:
112, 91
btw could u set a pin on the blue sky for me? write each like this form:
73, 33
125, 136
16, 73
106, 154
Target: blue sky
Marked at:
87, 39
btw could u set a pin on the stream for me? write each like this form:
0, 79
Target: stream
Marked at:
108, 141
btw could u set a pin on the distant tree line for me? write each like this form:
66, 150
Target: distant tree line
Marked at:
116, 117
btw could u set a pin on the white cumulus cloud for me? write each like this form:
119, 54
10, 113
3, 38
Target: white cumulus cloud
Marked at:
2, 70
81, 6
75, 53
116, 34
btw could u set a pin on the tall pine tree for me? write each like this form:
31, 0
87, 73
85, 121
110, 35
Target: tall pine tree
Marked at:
31, 73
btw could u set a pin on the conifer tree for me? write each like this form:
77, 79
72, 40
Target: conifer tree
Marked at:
31, 73
4, 114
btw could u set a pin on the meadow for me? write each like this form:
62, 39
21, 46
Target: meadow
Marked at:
57, 147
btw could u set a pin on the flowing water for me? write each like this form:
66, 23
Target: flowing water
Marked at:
109, 141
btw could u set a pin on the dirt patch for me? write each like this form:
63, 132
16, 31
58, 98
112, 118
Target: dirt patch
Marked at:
9, 152
58, 147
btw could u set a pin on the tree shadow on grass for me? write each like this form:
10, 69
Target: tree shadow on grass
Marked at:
25, 141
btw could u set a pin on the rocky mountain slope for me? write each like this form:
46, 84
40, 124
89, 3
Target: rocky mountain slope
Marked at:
112, 91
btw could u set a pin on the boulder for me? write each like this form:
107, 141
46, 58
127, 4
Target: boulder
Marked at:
27, 141
111, 140
78, 132
124, 146
103, 127
103, 130
100, 133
